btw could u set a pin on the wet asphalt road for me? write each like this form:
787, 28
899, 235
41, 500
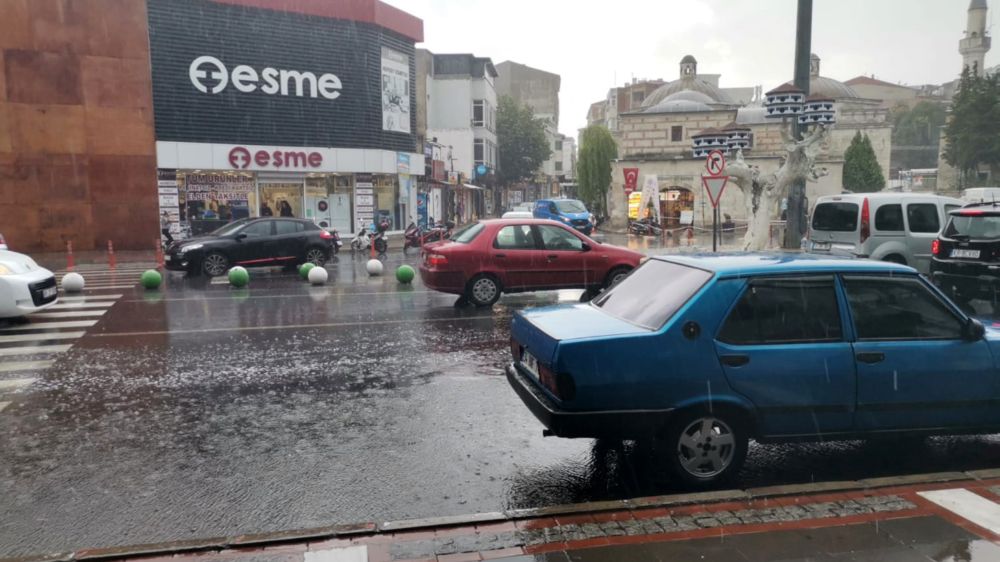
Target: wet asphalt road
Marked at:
201, 410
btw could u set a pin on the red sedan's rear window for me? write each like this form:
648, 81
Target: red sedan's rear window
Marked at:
652, 293
467, 233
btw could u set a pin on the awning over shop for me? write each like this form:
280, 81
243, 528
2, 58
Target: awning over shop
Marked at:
470, 186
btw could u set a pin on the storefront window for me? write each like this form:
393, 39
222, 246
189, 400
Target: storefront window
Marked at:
208, 200
386, 200
281, 199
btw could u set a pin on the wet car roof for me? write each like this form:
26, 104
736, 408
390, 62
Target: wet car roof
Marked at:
764, 263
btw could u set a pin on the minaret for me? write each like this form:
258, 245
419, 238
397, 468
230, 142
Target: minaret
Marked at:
976, 42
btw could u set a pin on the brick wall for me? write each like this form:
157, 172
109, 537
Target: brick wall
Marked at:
77, 153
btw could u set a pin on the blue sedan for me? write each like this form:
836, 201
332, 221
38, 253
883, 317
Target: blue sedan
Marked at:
699, 354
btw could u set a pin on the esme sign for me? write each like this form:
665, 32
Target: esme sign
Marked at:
240, 158
210, 76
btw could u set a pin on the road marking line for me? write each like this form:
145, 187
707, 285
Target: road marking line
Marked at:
4, 405
93, 298
68, 314
288, 327
332, 293
50, 325
24, 366
108, 287
41, 337
34, 350
967, 505
14, 384
81, 304
348, 554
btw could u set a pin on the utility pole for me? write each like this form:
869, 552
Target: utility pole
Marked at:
795, 227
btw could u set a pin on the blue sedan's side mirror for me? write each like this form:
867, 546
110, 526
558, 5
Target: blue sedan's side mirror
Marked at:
973, 330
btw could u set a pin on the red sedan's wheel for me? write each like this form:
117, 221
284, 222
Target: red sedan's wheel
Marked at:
483, 290
616, 275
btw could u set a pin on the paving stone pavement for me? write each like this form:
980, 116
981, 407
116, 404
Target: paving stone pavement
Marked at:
428, 548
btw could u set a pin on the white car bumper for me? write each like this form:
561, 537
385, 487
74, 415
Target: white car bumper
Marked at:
24, 293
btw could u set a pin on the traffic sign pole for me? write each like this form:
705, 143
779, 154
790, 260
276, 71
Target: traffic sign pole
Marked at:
715, 183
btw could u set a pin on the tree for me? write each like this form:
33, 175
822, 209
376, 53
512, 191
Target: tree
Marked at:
521, 141
761, 191
593, 167
862, 172
916, 134
972, 136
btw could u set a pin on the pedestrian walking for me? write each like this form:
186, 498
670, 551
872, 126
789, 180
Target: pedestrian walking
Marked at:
265, 210
165, 227
285, 209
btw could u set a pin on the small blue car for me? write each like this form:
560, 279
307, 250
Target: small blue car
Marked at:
698, 354
567, 211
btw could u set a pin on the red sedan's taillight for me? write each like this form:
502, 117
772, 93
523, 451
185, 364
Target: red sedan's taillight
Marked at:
936, 247
437, 260
325, 235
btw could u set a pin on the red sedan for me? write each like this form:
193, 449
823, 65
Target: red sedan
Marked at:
486, 258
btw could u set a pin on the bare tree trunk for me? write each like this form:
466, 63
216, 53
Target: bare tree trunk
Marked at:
761, 192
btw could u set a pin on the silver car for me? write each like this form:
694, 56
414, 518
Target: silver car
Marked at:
894, 227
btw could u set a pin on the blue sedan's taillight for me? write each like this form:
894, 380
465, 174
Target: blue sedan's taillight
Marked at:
515, 350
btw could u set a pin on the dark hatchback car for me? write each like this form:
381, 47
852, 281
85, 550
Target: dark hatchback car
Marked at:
252, 242
965, 258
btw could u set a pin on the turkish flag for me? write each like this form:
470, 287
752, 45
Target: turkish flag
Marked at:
631, 179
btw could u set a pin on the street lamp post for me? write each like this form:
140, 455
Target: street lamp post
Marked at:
794, 228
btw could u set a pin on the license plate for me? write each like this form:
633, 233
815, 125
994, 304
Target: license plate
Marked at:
530, 363
821, 246
957, 253
49, 292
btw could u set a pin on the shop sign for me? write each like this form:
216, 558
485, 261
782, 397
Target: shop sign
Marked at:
438, 171
453, 178
364, 201
240, 158
210, 76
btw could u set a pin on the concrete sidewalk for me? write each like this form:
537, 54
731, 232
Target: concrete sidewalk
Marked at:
946, 516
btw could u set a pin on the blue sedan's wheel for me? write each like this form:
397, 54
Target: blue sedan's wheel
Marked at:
706, 449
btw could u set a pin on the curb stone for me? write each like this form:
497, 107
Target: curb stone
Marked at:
681, 522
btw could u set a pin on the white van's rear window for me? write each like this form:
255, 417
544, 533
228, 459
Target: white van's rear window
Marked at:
836, 217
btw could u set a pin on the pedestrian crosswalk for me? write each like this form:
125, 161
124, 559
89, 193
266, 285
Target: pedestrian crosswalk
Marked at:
30, 346
97, 278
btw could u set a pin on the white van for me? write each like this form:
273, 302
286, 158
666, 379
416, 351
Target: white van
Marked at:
896, 227
981, 195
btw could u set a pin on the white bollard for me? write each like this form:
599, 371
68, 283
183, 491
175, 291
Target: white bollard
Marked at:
374, 267
318, 276
73, 282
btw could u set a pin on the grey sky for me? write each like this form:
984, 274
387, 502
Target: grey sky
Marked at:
749, 42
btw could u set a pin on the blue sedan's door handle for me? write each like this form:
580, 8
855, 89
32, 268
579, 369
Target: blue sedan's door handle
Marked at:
735, 360
871, 358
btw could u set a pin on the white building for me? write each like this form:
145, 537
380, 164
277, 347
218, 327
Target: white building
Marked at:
460, 120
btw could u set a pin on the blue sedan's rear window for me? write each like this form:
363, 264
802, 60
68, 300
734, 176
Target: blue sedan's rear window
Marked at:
652, 293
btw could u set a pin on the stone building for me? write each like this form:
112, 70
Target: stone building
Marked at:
657, 139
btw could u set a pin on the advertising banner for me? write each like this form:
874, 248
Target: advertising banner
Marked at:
650, 196
169, 199
422, 210
395, 91
402, 163
364, 200
633, 205
223, 188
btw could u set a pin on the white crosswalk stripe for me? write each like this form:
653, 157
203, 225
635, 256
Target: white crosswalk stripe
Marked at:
34, 350
3, 405
15, 384
90, 298
18, 338
15, 366
76, 305
69, 314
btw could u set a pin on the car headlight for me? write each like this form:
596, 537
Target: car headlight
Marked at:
189, 248
4, 270
565, 219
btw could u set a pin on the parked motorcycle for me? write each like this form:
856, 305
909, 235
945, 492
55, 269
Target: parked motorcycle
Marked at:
645, 227
437, 233
337, 242
412, 237
371, 235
